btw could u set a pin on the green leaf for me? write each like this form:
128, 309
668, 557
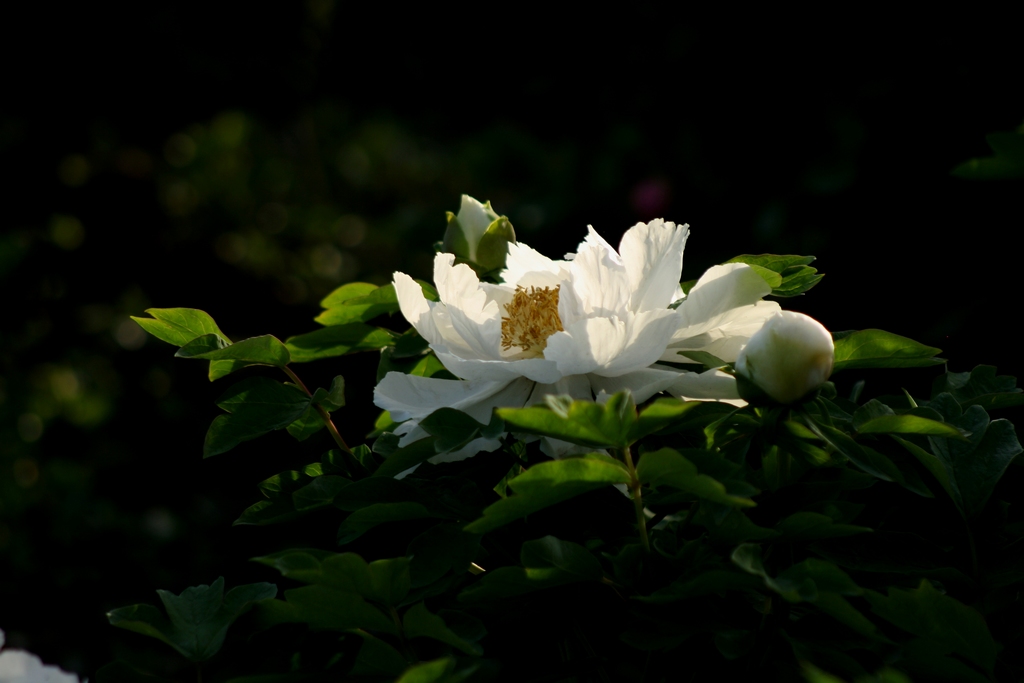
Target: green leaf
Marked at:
581, 422
437, 671
455, 429
927, 660
717, 581
933, 464
197, 620
389, 581
660, 414
361, 521
338, 340
734, 527
179, 326
492, 249
1007, 164
377, 658
553, 553
200, 345
867, 459
408, 456
322, 607
811, 526
794, 275
264, 350
333, 398
980, 387
319, 493
438, 550
667, 467
255, 406
343, 309
927, 613
347, 293
909, 424
548, 483
339, 571
879, 349
975, 466
547, 562
815, 581
307, 425
418, 622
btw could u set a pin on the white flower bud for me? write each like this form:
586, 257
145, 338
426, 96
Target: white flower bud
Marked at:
791, 356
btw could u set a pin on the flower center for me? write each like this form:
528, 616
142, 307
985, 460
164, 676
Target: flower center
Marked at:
532, 318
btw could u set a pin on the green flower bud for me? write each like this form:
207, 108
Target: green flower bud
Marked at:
478, 235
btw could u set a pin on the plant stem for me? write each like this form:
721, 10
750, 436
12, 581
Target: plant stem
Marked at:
324, 415
406, 648
638, 501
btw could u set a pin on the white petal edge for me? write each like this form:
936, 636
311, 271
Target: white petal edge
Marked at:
653, 256
643, 383
711, 385
412, 397
416, 308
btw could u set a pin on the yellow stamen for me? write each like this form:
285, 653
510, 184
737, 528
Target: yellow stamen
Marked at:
532, 318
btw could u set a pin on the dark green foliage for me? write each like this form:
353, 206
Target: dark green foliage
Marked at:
837, 539
197, 621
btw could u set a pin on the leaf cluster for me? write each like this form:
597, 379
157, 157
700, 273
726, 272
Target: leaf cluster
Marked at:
842, 538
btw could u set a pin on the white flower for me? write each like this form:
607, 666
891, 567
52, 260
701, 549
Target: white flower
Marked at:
791, 356
18, 666
595, 324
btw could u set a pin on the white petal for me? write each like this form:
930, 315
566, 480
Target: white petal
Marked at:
411, 431
412, 397
416, 308
577, 386
652, 254
480, 445
722, 288
587, 345
474, 316
725, 302
599, 278
527, 267
649, 333
536, 369
474, 218
711, 385
643, 383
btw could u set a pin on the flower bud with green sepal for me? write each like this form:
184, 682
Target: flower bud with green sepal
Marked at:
478, 235
788, 359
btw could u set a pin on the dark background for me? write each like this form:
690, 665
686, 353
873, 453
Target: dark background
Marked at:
246, 161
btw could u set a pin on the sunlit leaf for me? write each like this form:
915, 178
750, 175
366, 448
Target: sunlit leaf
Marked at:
179, 326
548, 483
581, 422
265, 350
338, 340
667, 467
879, 349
